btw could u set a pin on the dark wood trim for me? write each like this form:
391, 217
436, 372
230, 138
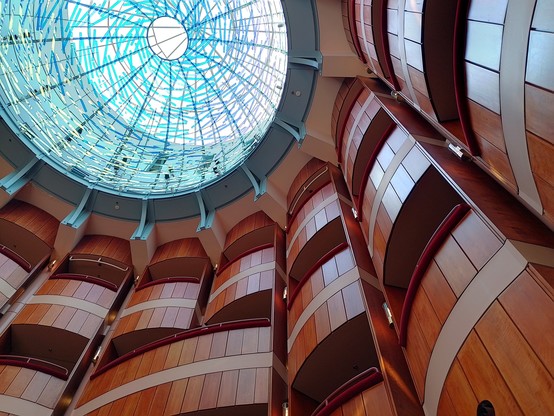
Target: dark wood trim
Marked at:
86, 278
176, 279
35, 364
459, 48
12, 255
348, 390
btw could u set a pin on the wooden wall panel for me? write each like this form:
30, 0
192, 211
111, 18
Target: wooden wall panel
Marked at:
516, 379
33, 219
186, 247
101, 245
63, 317
247, 225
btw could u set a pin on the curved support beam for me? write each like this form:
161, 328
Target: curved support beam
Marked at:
206, 216
519, 17
82, 211
296, 129
259, 186
145, 226
311, 60
12, 183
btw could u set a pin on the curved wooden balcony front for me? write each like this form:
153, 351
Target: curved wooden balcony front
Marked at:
26, 238
71, 303
168, 303
14, 271
319, 225
244, 288
165, 301
303, 225
470, 292
30, 386
214, 368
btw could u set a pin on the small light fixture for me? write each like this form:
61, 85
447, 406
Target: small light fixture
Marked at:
96, 355
388, 314
116, 207
285, 408
458, 151
285, 293
396, 95
136, 281
355, 213
216, 266
52, 264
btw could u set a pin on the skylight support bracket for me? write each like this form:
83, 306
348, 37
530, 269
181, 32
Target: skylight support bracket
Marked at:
206, 217
12, 183
259, 186
145, 226
296, 128
311, 59
82, 211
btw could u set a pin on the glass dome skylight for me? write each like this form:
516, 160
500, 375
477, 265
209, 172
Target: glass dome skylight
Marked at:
142, 97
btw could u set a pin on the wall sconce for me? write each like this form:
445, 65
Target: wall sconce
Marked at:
355, 213
96, 355
458, 151
136, 281
388, 314
285, 408
285, 293
216, 266
52, 264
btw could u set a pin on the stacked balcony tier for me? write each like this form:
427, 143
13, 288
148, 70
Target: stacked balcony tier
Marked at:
47, 347
480, 73
328, 270
453, 275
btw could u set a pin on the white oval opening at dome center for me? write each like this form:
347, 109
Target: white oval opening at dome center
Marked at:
167, 38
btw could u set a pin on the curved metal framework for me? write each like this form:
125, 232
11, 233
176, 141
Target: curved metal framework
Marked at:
150, 97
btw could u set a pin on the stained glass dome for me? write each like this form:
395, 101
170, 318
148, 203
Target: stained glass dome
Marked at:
149, 97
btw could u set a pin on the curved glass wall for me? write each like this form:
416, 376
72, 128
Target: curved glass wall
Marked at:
149, 97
